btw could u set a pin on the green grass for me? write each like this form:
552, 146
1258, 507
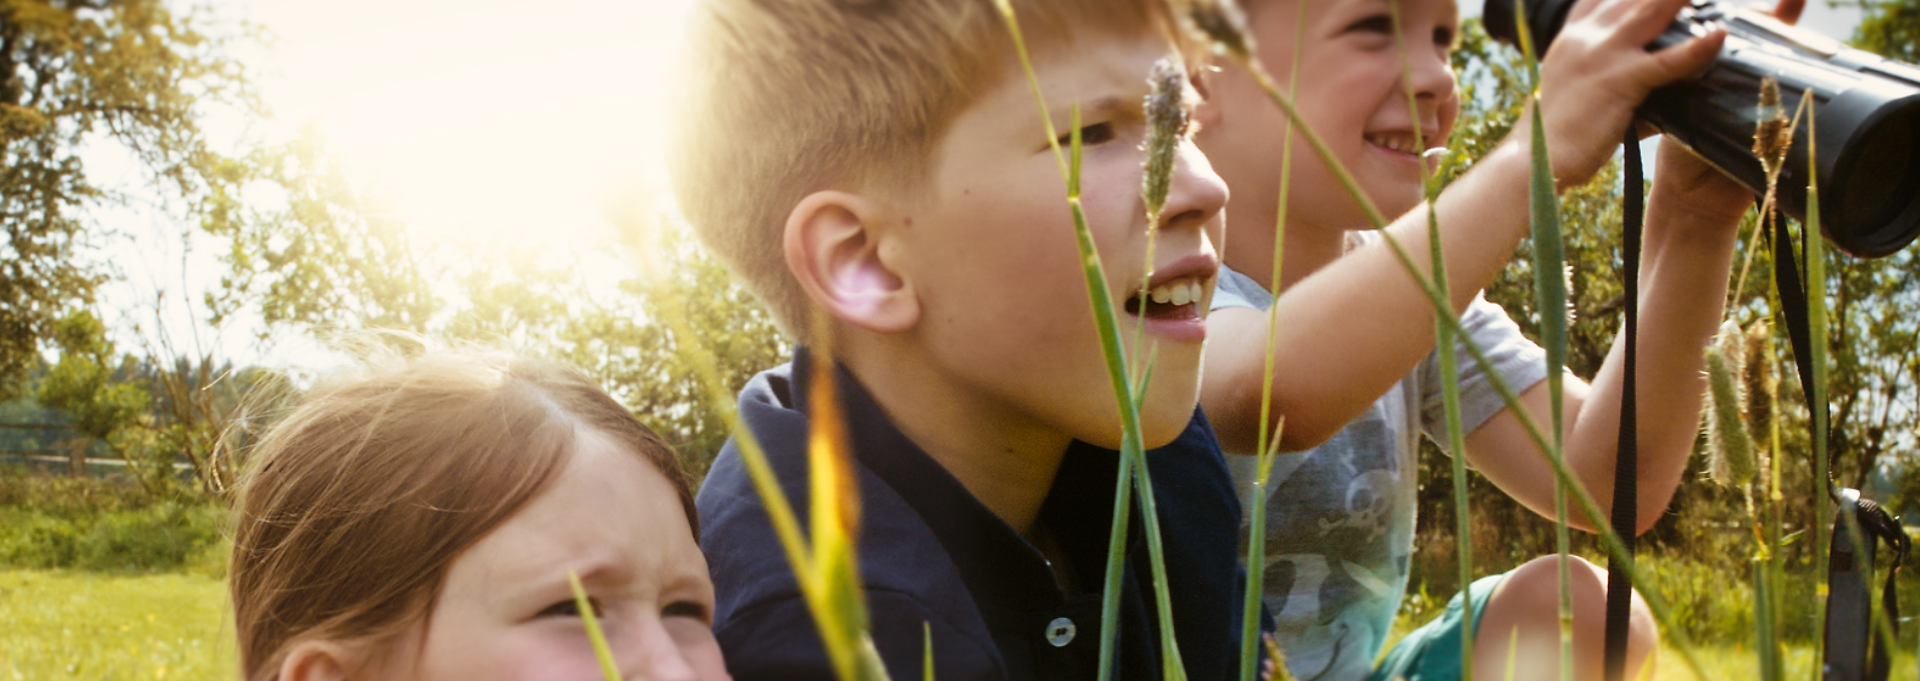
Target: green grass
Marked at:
78, 625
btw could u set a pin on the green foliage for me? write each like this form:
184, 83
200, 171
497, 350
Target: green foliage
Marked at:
131, 75
328, 256
90, 383
1890, 28
91, 524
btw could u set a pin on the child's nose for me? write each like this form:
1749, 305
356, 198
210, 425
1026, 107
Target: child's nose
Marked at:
1432, 75
1198, 194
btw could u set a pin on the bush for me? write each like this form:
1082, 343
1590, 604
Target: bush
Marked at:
105, 525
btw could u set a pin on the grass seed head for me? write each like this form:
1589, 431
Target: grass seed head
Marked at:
1169, 112
1221, 22
1762, 387
1773, 132
1729, 447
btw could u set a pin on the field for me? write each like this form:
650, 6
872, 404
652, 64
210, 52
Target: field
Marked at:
83, 625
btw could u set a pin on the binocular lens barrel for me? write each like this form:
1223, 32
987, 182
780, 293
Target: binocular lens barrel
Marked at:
1866, 119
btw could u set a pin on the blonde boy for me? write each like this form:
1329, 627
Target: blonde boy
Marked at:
1343, 517
880, 166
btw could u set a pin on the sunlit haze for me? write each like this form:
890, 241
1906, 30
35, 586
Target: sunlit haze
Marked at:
493, 120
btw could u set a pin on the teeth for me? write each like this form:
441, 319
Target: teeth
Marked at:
1395, 141
1180, 292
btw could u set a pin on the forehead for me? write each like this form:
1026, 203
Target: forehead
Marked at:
608, 510
1448, 10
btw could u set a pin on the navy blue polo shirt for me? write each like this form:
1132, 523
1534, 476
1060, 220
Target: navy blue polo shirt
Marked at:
932, 556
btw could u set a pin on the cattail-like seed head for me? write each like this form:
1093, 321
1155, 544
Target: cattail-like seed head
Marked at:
1729, 449
1772, 134
1221, 23
1169, 112
1762, 387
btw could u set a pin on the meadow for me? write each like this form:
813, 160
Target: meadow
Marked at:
76, 624
65, 624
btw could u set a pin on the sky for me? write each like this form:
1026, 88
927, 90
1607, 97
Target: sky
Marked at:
483, 119
501, 124
504, 123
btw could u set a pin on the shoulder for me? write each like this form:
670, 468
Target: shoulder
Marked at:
776, 638
761, 618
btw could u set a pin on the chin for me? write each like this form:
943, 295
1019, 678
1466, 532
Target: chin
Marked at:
1159, 425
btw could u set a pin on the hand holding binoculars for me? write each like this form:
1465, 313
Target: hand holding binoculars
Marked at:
1866, 140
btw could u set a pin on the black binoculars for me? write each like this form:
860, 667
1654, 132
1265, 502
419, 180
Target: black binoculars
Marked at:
1866, 110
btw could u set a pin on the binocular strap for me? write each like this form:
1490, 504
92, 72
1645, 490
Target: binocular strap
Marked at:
1626, 462
1853, 651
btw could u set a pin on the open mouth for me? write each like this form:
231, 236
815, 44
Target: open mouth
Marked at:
1402, 142
1173, 299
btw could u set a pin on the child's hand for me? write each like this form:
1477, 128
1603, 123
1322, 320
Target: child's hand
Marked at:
1697, 186
1598, 70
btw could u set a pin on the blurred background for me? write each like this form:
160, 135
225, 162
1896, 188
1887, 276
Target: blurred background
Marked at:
205, 201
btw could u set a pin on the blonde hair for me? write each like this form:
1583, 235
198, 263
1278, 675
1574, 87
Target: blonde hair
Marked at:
788, 97
355, 506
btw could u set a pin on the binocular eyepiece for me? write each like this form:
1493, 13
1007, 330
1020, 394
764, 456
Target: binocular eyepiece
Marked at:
1867, 114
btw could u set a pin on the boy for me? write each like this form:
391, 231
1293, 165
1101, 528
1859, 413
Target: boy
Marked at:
881, 166
1342, 520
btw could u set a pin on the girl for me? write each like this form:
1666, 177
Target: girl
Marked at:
419, 522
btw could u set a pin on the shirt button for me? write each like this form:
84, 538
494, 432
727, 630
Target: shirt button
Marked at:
1060, 632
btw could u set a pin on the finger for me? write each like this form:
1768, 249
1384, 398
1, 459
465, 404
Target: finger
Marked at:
1685, 59
1580, 10
1650, 18
1789, 10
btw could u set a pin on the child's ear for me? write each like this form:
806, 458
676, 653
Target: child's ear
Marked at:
320, 661
834, 247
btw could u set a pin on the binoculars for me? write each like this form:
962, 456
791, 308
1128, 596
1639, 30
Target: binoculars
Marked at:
1866, 140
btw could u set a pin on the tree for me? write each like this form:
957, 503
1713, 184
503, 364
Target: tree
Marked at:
1890, 28
618, 337
90, 383
75, 74
328, 258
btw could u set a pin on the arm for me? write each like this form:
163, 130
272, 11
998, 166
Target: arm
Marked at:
1594, 76
1693, 220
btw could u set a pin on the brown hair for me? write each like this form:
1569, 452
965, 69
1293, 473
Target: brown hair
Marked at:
355, 506
784, 98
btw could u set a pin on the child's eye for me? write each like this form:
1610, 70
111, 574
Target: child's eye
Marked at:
1379, 23
692, 609
1090, 135
1443, 37
571, 608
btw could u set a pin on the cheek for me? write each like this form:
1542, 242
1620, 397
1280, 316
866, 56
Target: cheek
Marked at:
698, 647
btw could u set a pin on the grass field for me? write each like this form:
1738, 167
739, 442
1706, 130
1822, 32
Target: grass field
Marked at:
80, 625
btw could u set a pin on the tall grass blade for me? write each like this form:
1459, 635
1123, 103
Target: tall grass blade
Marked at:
1109, 330
832, 587
1256, 562
1817, 393
591, 620
826, 571
1267, 442
1240, 49
1444, 341
639, 233
1550, 294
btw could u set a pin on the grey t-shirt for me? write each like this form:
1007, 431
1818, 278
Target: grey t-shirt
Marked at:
1340, 516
